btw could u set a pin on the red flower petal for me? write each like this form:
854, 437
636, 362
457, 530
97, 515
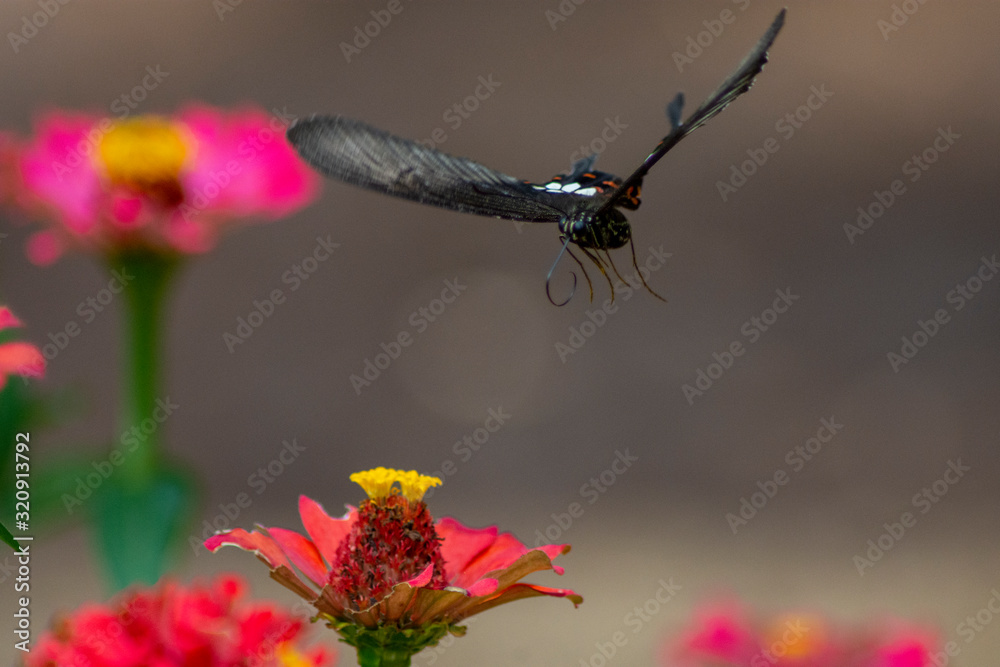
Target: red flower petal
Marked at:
326, 532
302, 553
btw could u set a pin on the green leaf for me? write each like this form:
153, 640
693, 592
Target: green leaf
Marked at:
8, 538
138, 528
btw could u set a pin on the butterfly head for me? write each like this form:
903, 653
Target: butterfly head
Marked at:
604, 231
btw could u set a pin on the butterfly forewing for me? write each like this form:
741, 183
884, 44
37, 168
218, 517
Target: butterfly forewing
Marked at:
738, 83
361, 155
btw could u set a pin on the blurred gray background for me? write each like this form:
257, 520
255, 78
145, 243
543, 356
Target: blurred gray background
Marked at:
495, 347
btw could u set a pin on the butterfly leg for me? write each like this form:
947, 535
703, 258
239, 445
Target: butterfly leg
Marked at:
639, 273
596, 259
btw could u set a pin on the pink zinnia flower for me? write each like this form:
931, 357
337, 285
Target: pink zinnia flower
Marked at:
387, 567
179, 626
151, 182
17, 358
723, 634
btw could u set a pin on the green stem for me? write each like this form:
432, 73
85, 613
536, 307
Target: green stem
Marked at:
382, 657
145, 277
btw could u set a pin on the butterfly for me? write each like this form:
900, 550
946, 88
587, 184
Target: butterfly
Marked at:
585, 203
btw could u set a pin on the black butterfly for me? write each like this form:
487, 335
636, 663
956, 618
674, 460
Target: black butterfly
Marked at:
585, 203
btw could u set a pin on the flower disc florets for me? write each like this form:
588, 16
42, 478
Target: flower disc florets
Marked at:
393, 539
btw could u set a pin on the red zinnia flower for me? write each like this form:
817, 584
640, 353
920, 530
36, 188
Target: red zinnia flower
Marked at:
384, 575
176, 626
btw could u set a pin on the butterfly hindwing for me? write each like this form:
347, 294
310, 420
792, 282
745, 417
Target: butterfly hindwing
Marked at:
362, 155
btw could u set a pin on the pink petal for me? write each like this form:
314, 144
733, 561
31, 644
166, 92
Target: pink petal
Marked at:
460, 545
423, 578
326, 532
302, 553
125, 210
56, 170
8, 319
44, 248
268, 551
243, 165
255, 541
485, 586
22, 359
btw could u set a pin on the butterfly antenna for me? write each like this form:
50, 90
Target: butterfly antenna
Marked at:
548, 278
639, 273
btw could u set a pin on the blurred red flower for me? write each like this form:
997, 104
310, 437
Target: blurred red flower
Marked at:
152, 182
17, 358
724, 634
172, 625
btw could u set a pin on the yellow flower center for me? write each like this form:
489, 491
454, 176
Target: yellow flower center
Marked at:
143, 153
378, 483
795, 637
289, 657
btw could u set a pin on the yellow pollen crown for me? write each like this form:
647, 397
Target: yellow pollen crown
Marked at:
378, 483
289, 657
143, 150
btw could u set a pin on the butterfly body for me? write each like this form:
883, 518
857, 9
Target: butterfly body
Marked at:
585, 204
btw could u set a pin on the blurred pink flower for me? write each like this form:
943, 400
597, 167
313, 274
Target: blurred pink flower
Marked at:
723, 634
171, 625
152, 182
17, 358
